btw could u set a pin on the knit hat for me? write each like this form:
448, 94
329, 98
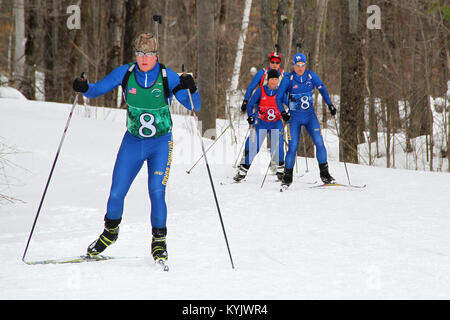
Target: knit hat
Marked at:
272, 74
145, 42
275, 56
299, 57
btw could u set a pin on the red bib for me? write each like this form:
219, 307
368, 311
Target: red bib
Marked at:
267, 109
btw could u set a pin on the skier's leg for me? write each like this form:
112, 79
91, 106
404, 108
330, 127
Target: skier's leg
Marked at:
127, 166
158, 165
313, 128
252, 145
251, 150
277, 149
125, 170
293, 131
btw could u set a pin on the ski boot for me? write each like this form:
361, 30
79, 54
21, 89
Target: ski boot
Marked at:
287, 177
159, 246
107, 238
241, 173
325, 175
280, 172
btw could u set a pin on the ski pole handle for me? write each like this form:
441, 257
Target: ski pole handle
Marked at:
189, 92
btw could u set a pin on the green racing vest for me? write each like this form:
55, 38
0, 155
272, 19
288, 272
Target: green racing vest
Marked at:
148, 113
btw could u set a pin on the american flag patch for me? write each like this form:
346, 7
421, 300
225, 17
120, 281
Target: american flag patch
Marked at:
132, 91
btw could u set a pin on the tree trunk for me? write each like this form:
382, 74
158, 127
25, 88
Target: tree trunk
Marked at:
320, 15
266, 27
221, 59
115, 45
285, 28
240, 47
165, 33
34, 47
19, 43
352, 79
207, 71
133, 24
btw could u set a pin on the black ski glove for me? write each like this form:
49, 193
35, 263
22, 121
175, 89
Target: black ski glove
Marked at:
332, 109
244, 106
80, 84
286, 116
251, 120
187, 82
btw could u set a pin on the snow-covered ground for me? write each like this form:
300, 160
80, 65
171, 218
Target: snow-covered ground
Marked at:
390, 240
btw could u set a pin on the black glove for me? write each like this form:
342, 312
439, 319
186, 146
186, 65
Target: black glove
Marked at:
286, 116
80, 85
187, 82
332, 109
251, 120
244, 106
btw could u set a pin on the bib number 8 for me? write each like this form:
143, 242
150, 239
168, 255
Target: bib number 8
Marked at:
147, 120
271, 115
304, 102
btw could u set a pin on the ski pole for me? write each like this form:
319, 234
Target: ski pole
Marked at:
209, 172
304, 148
51, 172
343, 155
189, 171
157, 18
272, 157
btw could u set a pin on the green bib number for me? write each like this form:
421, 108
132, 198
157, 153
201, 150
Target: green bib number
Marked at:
148, 113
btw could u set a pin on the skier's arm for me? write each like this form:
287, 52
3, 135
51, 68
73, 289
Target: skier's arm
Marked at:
322, 89
182, 95
108, 83
255, 82
282, 94
254, 101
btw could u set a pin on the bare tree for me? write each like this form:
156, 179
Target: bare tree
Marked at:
352, 79
19, 43
207, 70
267, 43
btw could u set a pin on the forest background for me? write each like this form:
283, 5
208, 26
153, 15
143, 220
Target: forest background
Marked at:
385, 63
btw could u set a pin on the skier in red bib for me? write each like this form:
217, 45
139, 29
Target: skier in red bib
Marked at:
260, 78
265, 117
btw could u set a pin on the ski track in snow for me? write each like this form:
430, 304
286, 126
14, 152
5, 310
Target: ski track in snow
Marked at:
389, 240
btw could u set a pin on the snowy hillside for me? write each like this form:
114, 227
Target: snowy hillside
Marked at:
390, 240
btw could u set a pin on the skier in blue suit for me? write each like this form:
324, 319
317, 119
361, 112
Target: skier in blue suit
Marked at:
264, 117
298, 87
148, 88
260, 78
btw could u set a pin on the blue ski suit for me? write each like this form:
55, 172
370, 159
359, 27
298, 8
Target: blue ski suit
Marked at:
134, 150
261, 128
298, 91
256, 82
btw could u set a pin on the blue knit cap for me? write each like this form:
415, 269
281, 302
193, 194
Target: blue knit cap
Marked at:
299, 57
